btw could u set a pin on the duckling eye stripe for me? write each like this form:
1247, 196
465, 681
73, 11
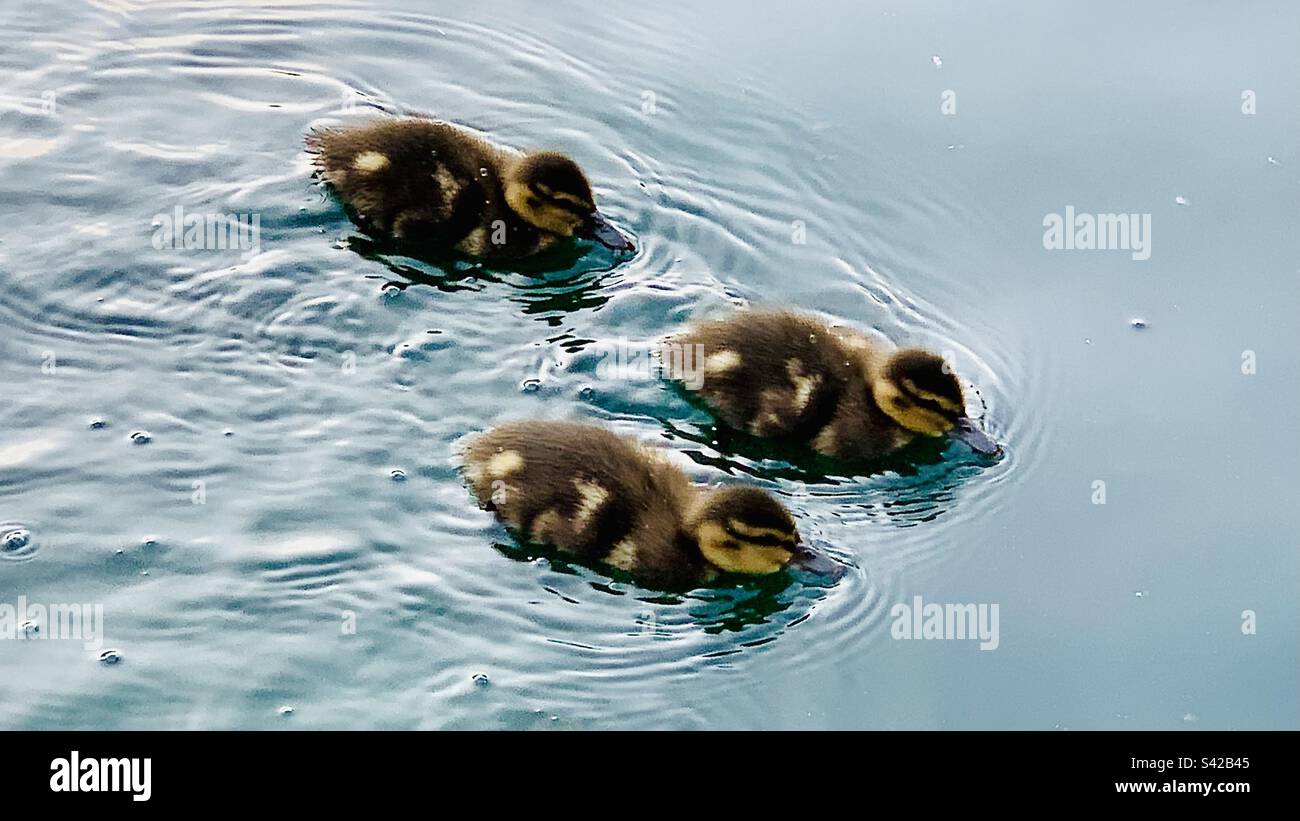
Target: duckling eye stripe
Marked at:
942, 401
573, 199
760, 535
905, 400
562, 199
750, 530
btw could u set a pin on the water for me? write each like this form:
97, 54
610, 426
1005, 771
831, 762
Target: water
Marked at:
292, 391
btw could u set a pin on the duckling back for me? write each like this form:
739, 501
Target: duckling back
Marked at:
423, 181
789, 377
587, 492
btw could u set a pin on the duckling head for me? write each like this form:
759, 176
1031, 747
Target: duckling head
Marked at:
920, 392
549, 191
744, 530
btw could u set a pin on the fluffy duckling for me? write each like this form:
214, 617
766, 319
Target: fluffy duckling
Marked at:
438, 185
786, 376
608, 500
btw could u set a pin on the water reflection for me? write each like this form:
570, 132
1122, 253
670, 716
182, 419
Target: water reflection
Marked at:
548, 286
733, 605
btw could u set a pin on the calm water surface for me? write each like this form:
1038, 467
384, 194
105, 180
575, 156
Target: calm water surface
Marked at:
284, 388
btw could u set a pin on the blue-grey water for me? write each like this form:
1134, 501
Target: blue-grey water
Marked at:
204, 442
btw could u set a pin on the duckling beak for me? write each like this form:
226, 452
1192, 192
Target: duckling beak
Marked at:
969, 432
604, 232
818, 564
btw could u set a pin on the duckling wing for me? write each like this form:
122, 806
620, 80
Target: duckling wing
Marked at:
772, 374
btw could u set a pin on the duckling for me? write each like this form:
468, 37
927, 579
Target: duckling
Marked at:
791, 377
608, 500
435, 184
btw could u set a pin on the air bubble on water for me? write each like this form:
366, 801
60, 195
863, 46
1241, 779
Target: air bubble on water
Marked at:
397, 475
1087, 340
531, 385
15, 540
1141, 594
285, 710
482, 172
110, 657
1181, 200
141, 437
1137, 323
1273, 161
30, 628
1191, 718
587, 392
937, 60
481, 680
227, 432
98, 424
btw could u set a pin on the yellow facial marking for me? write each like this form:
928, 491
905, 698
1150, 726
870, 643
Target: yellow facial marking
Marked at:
548, 218
721, 362
623, 556
370, 161
733, 556
505, 463
942, 401
906, 413
590, 497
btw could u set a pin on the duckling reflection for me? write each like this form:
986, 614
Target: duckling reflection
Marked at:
790, 378
751, 602
548, 298
605, 500
437, 186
